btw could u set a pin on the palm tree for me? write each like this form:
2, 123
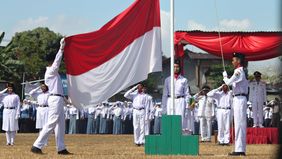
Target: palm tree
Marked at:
9, 67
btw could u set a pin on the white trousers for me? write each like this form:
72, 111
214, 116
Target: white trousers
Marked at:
139, 126
223, 124
10, 137
147, 127
257, 107
240, 122
179, 107
56, 121
205, 127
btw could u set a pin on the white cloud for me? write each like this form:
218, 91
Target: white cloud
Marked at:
165, 31
233, 24
224, 25
62, 24
193, 25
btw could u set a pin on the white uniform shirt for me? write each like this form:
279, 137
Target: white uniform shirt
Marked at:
139, 99
42, 98
74, 111
117, 111
238, 81
181, 89
257, 91
52, 77
158, 112
11, 100
224, 99
91, 110
205, 105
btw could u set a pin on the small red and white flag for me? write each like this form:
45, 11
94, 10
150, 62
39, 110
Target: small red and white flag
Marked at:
122, 53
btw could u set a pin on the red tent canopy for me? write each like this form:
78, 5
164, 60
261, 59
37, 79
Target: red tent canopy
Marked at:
255, 45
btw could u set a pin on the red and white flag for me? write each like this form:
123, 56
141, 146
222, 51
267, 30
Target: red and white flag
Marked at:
122, 53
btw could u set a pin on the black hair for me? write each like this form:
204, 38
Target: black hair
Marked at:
50, 57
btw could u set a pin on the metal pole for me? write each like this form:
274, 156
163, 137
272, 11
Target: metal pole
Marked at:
172, 55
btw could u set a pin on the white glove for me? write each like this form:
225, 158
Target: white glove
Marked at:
17, 116
224, 74
62, 43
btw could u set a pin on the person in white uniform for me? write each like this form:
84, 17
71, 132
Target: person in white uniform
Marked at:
139, 99
56, 119
42, 105
239, 84
205, 113
224, 97
148, 109
182, 96
257, 96
11, 113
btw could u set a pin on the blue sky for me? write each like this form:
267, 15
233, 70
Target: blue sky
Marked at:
72, 16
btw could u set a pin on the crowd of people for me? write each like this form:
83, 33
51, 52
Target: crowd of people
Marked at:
47, 110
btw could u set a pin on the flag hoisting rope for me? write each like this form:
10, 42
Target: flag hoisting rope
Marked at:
219, 36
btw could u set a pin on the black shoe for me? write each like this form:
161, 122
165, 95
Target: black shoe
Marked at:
138, 145
221, 144
36, 150
64, 152
237, 154
226, 144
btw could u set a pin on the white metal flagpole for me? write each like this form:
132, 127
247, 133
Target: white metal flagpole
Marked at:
172, 55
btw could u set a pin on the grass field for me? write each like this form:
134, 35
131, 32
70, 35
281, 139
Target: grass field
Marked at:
115, 146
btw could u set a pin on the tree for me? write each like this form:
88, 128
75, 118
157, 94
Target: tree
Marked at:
215, 74
9, 66
31, 47
26, 53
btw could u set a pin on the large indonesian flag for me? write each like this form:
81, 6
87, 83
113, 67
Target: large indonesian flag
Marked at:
122, 53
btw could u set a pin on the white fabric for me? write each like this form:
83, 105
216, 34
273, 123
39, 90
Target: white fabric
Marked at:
139, 99
56, 121
91, 110
56, 118
139, 126
268, 114
205, 105
10, 121
41, 112
206, 128
52, 77
224, 99
257, 96
74, 111
181, 89
239, 85
158, 112
223, 122
130, 66
223, 114
240, 123
41, 117
117, 111
238, 81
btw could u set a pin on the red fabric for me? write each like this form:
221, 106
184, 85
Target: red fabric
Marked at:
87, 51
255, 45
260, 136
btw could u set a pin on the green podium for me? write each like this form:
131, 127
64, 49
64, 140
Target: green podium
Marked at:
171, 141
